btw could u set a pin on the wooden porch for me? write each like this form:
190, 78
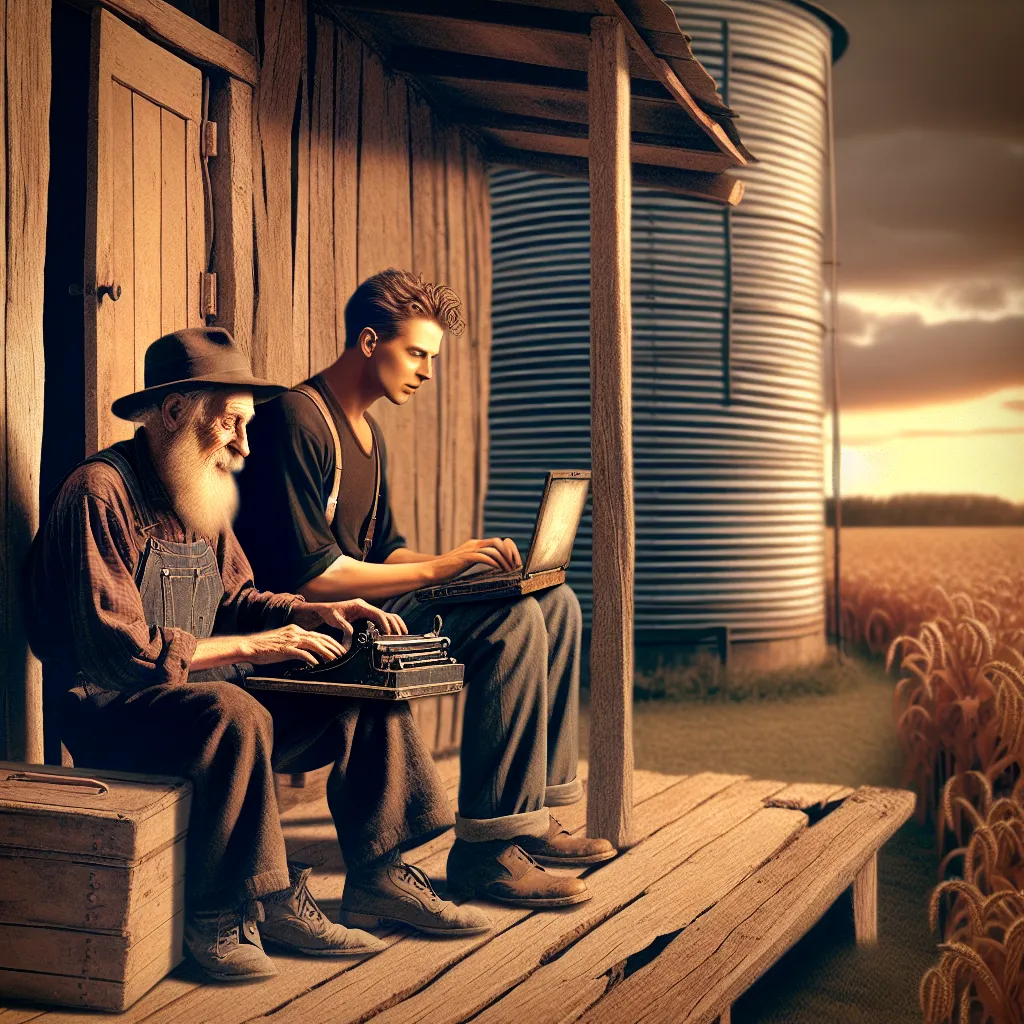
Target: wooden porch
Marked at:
727, 872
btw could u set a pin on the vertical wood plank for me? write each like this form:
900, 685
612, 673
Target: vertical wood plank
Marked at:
322, 312
115, 363
457, 398
385, 240
173, 236
610, 795
372, 232
27, 64
146, 164
480, 309
99, 243
273, 116
300, 245
195, 227
13, 688
423, 171
231, 181
236, 20
348, 76
865, 903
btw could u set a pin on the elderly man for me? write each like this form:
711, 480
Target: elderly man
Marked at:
522, 657
141, 599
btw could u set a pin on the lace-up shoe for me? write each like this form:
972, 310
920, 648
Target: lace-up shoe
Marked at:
504, 872
226, 943
298, 925
560, 848
398, 893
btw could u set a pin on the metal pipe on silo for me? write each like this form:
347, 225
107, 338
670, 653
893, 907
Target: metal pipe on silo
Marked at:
727, 343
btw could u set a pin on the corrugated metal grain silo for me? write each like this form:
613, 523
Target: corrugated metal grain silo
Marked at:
727, 343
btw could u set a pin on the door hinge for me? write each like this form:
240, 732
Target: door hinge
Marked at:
209, 299
208, 145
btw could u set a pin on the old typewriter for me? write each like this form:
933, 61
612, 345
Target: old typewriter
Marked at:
377, 666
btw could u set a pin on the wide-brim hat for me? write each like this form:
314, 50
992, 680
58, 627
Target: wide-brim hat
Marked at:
192, 359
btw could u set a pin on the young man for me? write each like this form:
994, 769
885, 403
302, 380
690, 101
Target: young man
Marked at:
519, 748
141, 601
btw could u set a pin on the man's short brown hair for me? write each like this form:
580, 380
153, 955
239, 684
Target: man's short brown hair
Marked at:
389, 299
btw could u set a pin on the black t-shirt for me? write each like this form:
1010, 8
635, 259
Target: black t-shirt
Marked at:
285, 485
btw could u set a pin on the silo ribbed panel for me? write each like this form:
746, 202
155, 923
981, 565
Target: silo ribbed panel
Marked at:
728, 493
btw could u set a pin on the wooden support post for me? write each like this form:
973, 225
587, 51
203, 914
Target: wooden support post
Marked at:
725, 1017
610, 799
231, 181
25, 50
865, 903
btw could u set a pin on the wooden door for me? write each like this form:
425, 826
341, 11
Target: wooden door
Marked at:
145, 227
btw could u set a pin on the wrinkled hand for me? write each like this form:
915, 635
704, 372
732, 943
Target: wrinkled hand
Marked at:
498, 552
293, 643
341, 613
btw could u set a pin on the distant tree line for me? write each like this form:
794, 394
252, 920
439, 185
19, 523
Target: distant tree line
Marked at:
927, 510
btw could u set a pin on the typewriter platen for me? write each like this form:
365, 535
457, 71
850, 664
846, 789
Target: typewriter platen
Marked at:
377, 666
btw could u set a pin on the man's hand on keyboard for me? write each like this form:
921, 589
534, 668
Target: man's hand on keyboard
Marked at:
291, 643
341, 614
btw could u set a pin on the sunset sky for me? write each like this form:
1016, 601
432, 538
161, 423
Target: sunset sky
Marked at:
929, 104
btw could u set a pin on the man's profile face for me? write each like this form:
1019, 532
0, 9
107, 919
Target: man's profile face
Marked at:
203, 452
407, 360
221, 429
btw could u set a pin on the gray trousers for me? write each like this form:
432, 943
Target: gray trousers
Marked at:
383, 790
520, 732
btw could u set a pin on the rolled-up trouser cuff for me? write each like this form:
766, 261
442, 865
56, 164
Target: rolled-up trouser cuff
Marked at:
480, 830
566, 793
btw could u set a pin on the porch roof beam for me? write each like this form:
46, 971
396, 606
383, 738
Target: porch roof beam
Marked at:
165, 24
719, 189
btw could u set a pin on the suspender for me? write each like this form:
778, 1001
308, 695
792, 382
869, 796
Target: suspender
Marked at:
332, 501
112, 457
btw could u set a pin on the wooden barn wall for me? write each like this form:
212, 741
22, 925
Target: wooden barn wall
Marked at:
353, 173
24, 169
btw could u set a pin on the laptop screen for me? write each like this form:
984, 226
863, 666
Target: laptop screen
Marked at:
557, 522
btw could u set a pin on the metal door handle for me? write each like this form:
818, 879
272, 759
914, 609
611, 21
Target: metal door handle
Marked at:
113, 290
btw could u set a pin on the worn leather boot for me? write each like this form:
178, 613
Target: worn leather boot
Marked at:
393, 892
296, 924
562, 849
504, 872
226, 943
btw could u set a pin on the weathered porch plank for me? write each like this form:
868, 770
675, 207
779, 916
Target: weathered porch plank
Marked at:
563, 989
806, 795
719, 956
705, 806
409, 965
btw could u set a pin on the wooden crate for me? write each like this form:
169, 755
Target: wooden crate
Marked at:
92, 878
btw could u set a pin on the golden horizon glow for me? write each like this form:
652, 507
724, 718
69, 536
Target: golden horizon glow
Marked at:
968, 447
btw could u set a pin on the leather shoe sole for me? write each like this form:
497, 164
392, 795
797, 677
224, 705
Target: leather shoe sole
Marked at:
536, 902
574, 862
251, 973
288, 947
355, 920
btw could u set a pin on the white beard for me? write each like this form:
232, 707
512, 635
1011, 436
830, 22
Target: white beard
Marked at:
202, 489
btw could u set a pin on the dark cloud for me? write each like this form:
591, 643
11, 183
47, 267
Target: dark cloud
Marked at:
944, 65
922, 209
1014, 404
930, 153
903, 435
911, 363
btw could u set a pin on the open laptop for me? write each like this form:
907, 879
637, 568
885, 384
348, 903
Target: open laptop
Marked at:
561, 507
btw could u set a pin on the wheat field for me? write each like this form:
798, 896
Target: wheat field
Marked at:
946, 607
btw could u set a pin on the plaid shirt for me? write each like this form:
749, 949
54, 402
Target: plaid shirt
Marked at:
83, 609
